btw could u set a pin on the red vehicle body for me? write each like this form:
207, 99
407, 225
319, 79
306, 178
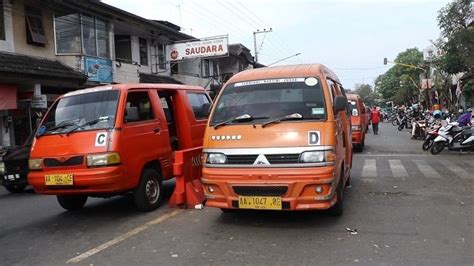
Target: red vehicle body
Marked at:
359, 123
122, 141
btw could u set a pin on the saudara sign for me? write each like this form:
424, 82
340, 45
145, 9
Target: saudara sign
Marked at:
202, 48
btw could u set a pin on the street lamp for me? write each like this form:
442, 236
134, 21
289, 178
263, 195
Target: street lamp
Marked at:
284, 59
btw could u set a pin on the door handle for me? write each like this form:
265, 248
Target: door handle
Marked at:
156, 130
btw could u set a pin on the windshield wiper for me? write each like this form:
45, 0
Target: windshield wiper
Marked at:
63, 124
245, 117
88, 123
295, 116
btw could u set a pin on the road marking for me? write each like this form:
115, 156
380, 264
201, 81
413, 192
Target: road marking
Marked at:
426, 169
121, 238
397, 168
460, 172
370, 168
392, 155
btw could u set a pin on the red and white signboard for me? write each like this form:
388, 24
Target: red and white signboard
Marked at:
204, 48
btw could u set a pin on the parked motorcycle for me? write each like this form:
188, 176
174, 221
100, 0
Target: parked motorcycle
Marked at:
405, 123
455, 138
431, 135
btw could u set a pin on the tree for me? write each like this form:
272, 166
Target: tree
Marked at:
366, 93
457, 42
400, 83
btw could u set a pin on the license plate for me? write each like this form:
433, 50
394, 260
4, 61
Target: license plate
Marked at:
260, 203
59, 180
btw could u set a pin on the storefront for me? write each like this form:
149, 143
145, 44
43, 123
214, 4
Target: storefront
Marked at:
28, 86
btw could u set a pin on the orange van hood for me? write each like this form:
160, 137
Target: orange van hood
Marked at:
75, 143
273, 135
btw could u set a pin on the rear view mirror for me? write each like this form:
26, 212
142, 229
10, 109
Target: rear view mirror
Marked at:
340, 103
131, 114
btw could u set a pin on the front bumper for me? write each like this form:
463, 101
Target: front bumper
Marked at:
300, 184
89, 181
9, 179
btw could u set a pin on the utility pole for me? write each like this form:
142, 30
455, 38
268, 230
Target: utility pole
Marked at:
255, 41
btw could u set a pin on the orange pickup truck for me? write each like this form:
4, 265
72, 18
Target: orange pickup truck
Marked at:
116, 139
279, 138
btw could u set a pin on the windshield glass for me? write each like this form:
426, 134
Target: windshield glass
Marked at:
353, 107
271, 99
82, 109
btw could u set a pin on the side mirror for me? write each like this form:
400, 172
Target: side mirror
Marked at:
340, 103
131, 114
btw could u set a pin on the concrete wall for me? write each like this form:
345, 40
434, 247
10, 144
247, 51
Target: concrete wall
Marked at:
19, 31
7, 44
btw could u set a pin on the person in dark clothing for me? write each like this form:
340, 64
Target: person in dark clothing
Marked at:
375, 115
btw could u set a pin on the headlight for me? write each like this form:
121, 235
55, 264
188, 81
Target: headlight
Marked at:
317, 156
356, 128
215, 158
2, 168
103, 159
35, 164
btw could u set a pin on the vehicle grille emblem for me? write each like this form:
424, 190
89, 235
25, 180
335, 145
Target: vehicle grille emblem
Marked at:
261, 160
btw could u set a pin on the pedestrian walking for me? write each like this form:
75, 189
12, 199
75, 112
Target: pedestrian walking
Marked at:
375, 117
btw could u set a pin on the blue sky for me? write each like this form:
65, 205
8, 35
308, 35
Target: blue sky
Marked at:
349, 36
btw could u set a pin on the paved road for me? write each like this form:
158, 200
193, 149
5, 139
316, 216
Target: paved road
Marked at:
407, 206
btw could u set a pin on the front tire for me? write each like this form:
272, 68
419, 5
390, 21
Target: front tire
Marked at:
338, 208
400, 127
15, 188
427, 144
437, 147
72, 203
148, 195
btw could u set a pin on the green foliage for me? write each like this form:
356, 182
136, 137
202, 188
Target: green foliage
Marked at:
399, 83
366, 93
457, 42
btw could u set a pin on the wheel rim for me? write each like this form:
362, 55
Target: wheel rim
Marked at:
152, 190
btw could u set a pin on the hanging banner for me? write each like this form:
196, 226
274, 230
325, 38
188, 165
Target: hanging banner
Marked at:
206, 48
8, 97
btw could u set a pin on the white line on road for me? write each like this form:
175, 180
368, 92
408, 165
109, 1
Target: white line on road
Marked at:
462, 173
426, 169
397, 168
121, 238
369, 169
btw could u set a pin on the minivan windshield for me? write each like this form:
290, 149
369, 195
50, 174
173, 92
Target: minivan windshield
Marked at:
270, 99
86, 111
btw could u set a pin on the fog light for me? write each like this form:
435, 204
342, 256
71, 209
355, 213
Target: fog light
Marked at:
210, 189
319, 189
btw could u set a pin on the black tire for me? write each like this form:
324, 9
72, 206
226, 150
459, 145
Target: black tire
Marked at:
72, 203
400, 127
427, 144
338, 208
149, 193
12, 188
437, 147
395, 122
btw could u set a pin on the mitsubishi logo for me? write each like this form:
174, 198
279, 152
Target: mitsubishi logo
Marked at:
261, 160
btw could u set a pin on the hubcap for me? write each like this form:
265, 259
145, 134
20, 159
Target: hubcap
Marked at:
152, 190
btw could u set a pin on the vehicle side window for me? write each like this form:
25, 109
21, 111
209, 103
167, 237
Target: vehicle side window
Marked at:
331, 88
138, 107
200, 104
